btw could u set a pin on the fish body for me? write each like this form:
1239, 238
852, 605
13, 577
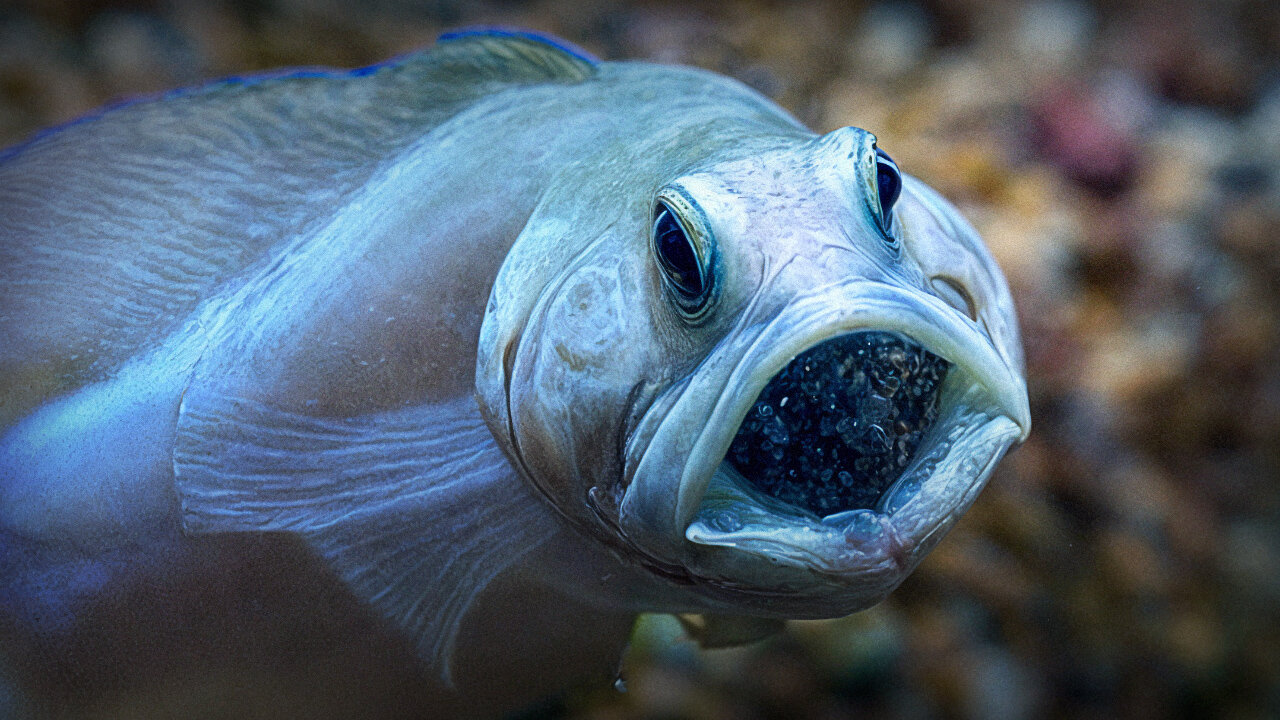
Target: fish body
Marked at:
489, 344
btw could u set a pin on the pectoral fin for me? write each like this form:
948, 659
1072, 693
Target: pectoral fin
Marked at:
713, 631
417, 509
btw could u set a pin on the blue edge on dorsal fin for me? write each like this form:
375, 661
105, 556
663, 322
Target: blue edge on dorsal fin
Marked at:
517, 32
304, 72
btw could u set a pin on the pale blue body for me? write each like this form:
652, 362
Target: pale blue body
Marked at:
396, 336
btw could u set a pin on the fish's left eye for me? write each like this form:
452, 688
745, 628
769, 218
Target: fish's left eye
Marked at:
888, 188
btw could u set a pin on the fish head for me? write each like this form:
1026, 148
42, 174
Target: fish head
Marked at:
775, 380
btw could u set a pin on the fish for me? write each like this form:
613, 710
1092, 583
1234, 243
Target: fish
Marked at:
467, 359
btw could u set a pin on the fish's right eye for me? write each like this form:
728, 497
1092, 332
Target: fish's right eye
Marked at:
676, 254
685, 267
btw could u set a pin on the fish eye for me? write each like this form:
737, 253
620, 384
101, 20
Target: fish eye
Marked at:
682, 265
888, 188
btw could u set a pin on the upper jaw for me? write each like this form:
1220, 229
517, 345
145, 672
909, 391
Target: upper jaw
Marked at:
726, 528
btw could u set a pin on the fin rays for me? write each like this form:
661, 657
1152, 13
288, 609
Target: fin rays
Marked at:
417, 510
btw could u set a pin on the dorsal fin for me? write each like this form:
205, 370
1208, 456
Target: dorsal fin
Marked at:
513, 55
113, 228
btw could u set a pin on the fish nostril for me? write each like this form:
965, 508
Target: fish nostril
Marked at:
953, 293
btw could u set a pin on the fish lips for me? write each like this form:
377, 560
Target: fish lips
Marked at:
685, 504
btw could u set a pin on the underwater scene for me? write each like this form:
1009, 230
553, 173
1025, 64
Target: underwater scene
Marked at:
1121, 163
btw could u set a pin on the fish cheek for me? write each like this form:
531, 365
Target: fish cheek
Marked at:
578, 361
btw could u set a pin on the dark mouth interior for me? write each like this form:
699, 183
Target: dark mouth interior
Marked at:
835, 428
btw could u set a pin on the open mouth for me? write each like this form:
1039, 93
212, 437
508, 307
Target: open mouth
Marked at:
839, 424
845, 438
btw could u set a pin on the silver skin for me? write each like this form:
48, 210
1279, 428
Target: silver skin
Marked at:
442, 274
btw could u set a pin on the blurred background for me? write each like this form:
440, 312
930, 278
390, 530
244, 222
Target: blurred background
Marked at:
1123, 162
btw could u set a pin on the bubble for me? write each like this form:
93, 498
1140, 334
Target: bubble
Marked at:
776, 431
875, 408
876, 439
